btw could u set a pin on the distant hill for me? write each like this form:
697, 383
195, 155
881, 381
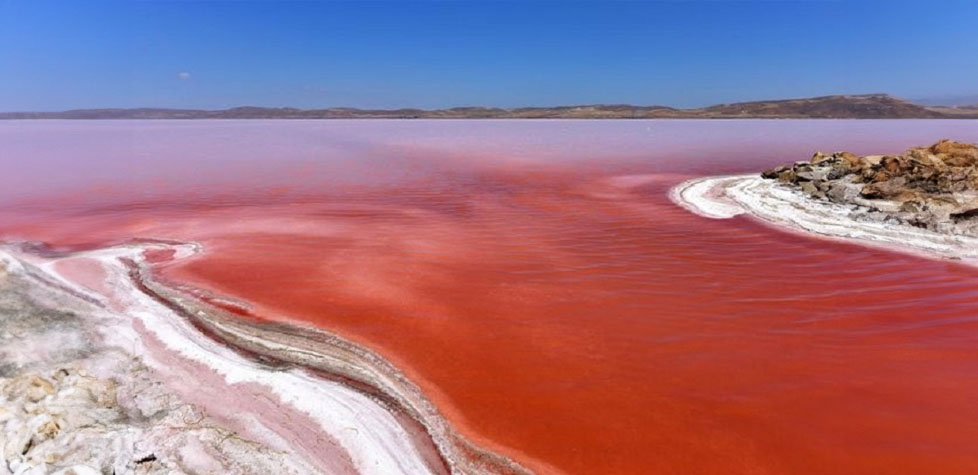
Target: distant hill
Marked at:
958, 111
868, 106
865, 106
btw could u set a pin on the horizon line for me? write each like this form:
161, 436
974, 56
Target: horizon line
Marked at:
476, 106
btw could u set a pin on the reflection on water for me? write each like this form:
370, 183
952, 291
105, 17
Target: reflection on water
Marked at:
535, 280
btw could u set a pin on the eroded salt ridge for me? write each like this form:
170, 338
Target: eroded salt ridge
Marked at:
323, 406
724, 197
71, 403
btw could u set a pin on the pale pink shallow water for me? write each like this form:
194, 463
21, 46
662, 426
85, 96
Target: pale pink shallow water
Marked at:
535, 281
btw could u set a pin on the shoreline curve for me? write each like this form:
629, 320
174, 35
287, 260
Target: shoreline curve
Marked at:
346, 395
728, 196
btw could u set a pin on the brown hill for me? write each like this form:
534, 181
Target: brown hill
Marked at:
867, 106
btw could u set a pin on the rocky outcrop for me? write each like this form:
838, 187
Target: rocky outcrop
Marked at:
932, 187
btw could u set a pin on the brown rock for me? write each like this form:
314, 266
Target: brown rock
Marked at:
850, 162
48, 430
787, 176
871, 192
773, 172
924, 159
820, 157
38, 388
880, 176
893, 164
904, 195
956, 154
884, 189
838, 192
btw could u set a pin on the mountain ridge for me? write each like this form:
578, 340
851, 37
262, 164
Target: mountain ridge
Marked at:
858, 106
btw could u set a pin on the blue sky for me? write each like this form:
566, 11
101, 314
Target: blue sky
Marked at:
62, 55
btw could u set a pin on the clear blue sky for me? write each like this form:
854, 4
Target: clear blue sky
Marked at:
73, 54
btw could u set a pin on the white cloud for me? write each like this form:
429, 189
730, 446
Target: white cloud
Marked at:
183, 76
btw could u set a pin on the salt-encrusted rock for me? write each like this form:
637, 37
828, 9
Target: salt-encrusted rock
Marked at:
58, 417
933, 187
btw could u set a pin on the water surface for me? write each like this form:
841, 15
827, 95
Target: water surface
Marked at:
533, 278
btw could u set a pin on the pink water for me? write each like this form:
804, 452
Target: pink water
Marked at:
535, 281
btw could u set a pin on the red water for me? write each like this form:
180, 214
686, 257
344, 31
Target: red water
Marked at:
559, 309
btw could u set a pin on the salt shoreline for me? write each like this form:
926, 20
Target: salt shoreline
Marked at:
724, 197
315, 401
